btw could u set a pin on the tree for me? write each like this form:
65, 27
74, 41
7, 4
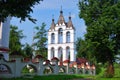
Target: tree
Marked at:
84, 50
40, 39
15, 40
81, 48
28, 50
103, 31
17, 8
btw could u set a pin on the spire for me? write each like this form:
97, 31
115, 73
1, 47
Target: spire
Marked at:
69, 15
53, 23
61, 18
61, 12
52, 18
69, 24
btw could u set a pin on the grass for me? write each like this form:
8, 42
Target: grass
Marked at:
49, 77
65, 77
100, 76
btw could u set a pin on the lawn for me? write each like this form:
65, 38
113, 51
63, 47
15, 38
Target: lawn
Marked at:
65, 77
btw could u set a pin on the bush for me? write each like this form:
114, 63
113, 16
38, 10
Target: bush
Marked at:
98, 69
25, 70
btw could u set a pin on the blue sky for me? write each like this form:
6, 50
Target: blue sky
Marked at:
43, 13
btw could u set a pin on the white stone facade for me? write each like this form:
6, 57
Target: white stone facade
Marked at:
15, 66
61, 39
4, 37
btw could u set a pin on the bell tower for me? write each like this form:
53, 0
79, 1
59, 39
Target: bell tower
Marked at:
61, 39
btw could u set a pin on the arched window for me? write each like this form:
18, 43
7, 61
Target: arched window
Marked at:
53, 52
60, 35
52, 38
68, 52
60, 53
68, 37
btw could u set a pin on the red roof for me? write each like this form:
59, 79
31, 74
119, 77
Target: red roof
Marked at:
47, 62
81, 60
74, 63
66, 61
55, 58
35, 61
4, 49
27, 59
39, 56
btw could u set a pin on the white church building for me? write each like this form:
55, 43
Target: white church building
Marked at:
61, 39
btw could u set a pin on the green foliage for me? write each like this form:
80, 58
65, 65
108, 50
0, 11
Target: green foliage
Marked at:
81, 48
103, 31
28, 50
40, 40
15, 40
46, 71
98, 69
102, 20
25, 70
17, 8
84, 50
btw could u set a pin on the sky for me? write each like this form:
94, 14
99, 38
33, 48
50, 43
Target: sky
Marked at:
44, 12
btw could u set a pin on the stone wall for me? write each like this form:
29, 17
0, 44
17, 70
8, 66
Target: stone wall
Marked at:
14, 67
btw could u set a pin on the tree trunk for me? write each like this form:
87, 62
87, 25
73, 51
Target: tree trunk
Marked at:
110, 69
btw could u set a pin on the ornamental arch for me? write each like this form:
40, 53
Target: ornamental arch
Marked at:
48, 70
4, 68
29, 68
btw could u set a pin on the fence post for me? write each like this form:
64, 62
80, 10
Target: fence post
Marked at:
18, 66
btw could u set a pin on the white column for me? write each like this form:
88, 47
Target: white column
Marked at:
0, 33
64, 36
64, 54
5, 31
72, 55
49, 54
56, 37
56, 52
72, 36
49, 38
